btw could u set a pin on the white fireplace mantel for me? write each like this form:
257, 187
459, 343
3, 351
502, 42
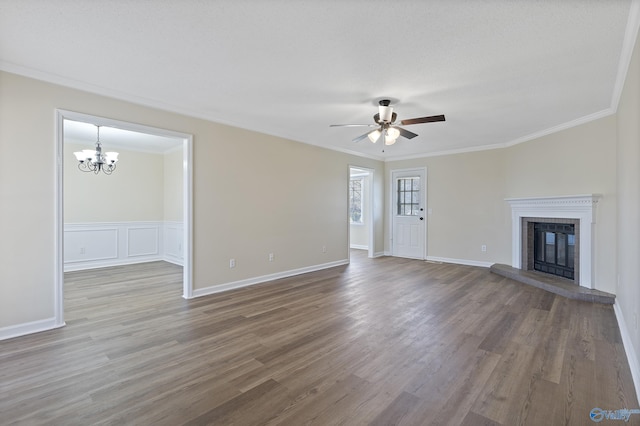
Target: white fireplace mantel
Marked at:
580, 207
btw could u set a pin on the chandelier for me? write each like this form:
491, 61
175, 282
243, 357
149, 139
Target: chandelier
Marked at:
95, 161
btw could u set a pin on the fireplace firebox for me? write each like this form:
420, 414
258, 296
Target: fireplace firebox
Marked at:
552, 246
554, 249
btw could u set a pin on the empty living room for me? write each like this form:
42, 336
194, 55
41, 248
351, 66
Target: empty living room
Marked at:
291, 213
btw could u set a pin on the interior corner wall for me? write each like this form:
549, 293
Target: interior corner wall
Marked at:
253, 194
465, 195
576, 161
628, 211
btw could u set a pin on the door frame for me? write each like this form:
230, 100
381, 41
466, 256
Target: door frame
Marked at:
368, 207
187, 201
392, 173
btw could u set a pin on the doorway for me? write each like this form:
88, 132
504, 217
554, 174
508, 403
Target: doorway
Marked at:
184, 142
361, 219
408, 208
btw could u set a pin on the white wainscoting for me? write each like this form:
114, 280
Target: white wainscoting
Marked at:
97, 245
173, 240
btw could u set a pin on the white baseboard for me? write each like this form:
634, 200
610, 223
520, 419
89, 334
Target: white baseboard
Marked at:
175, 261
359, 247
265, 278
379, 254
460, 261
109, 263
632, 357
29, 328
455, 261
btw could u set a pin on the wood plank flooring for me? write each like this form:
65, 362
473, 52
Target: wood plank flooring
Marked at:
381, 341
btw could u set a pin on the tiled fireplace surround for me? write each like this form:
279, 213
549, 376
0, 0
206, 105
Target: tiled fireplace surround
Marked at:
575, 209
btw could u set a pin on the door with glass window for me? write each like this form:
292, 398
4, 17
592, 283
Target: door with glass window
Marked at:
408, 213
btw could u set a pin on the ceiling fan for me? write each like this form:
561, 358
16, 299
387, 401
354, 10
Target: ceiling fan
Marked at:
385, 125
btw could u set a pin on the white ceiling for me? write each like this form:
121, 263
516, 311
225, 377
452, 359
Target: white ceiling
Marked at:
502, 71
115, 138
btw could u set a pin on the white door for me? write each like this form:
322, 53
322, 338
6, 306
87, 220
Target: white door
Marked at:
408, 212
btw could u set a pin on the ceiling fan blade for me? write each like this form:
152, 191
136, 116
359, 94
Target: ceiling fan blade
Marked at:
353, 125
419, 120
359, 138
405, 133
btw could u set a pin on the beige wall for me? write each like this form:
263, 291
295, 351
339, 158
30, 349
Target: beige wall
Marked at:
466, 195
254, 194
134, 192
580, 160
27, 179
173, 185
628, 209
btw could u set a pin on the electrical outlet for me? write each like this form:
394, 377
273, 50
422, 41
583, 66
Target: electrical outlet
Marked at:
324, 249
82, 250
483, 248
232, 263
271, 257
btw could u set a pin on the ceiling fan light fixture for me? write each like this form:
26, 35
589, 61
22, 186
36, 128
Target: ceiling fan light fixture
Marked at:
374, 136
386, 112
391, 135
385, 125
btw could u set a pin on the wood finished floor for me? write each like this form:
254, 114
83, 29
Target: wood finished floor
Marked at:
381, 341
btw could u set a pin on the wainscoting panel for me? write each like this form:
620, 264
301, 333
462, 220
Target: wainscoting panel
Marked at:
173, 240
91, 244
97, 245
143, 241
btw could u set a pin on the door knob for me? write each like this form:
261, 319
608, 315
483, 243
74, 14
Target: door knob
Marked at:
422, 218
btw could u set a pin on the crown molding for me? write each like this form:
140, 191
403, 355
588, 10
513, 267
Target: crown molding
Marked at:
630, 37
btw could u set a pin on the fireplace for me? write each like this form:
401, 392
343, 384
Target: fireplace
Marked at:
565, 228
551, 245
554, 248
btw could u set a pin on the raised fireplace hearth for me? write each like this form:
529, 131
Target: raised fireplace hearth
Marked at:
564, 227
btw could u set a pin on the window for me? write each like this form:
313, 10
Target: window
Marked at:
355, 200
409, 196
